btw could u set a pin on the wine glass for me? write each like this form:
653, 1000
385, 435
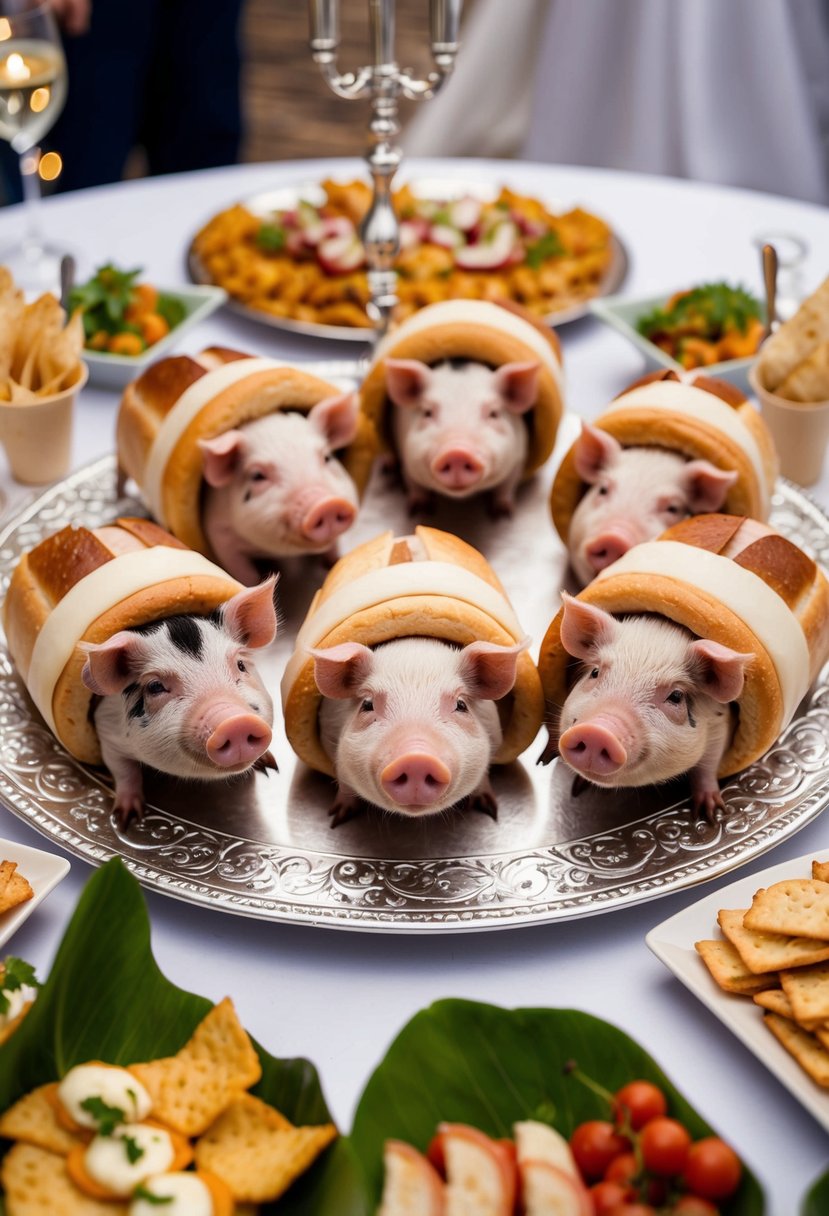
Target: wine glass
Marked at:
32, 94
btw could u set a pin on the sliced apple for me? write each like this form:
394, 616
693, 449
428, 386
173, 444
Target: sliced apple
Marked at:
413, 232
480, 1173
341, 254
536, 1141
492, 253
412, 1186
547, 1191
464, 213
446, 236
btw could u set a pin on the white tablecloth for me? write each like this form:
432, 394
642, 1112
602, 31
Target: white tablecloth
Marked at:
339, 998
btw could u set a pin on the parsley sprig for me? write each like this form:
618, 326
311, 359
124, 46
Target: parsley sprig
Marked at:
107, 1117
707, 311
132, 1148
141, 1192
15, 974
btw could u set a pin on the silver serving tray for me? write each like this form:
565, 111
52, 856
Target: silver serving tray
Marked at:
286, 197
262, 846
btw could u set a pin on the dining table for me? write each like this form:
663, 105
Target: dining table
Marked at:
338, 996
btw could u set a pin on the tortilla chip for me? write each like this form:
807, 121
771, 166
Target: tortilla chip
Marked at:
14, 888
257, 1152
33, 1120
729, 970
36, 1184
809, 381
796, 906
763, 952
808, 991
793, 342
192, 1087
812, 1057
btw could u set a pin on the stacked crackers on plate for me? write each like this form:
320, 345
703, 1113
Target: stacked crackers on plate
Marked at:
777, 953
14, 888
201, 1093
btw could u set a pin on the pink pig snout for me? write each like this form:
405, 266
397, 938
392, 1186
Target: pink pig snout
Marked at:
458, 468
415, 779
234, 735
608, 546
327, 519
594, 747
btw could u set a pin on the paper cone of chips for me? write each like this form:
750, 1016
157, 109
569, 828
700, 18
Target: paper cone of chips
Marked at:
714, 576
428, 585
81, 585
703, 419
182, 399
493, 334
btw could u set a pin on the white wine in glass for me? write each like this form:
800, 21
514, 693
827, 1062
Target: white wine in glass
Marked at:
32, 93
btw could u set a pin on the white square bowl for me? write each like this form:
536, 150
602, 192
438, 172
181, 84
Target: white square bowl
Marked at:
43, 872
116, 371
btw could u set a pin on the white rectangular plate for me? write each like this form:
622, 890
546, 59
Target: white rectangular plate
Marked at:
673, 943
43, 870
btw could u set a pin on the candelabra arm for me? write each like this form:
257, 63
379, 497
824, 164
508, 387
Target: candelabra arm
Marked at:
349, 85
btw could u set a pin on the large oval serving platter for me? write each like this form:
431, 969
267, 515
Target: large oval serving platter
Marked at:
262, 846
286, 197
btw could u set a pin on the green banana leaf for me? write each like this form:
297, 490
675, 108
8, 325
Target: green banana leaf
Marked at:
816, 1200
106, 999
464, 1062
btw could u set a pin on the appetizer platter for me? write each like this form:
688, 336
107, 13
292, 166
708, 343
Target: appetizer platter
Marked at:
673, 942
264, 846
291, 258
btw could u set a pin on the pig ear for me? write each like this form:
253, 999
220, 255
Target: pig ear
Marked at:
706, 485
517, 385
220, 456
336, 417
111, 666
584, 627
723, 669
593, 452
340, 671
250, 617
487, 670
406, 381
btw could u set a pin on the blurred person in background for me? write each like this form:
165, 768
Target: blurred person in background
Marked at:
160, 75
733, 92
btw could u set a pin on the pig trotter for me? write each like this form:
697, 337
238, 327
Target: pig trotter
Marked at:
708, 801
550, 749
266, 762
346, 805
482, 799
129, 793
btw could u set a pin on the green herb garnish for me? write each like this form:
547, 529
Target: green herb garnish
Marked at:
107, 1117
172, 309
705, 312
132, 1148
141, 1192
271, 238
105, 299
547, 246
15, 974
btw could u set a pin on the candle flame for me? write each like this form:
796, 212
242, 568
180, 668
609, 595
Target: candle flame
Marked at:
50, 166
40, 100
17, 67
5, 29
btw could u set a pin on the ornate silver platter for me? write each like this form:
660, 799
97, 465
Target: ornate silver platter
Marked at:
262, 846
286, 197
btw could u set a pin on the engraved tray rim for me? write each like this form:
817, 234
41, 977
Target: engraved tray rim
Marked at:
357, 893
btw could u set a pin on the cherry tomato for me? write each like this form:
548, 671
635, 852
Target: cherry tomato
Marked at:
712, 1169
594, 1145
664, 1144
623, 1168
693, 1205
607, 1195
639, 1101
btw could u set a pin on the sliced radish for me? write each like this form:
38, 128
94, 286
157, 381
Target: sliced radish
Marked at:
295, 242
480, 1174
533, 229
341, 254
492, 253
413, 232
412, 1187
539, 1142
465, 213
446, 236
547, 1191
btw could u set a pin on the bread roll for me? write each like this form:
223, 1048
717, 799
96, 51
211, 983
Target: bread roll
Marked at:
428, 585
81, 585
705, 419
488, 333
180, 400
739, 583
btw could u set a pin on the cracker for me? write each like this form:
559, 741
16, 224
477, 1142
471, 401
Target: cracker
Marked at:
808, 990
33, 1119
36, 1184
257, 1152
820, 870
729, 970
769, 951
14, 888
812, 1057
192, 1087
796, 906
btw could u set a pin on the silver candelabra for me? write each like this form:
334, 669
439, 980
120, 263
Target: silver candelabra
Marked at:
384, 82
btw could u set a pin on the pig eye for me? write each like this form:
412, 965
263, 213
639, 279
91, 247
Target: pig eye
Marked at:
257, 475
602, 490
494, 413
672, 509
155, 688
367, 706
328, 457
240, 665
461, 706
676, 697
594, 675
